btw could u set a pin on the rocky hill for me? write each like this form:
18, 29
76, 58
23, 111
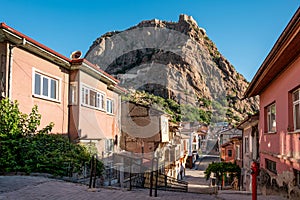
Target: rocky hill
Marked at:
178, 61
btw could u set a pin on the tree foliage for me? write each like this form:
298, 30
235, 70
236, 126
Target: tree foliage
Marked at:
24, 148
219, 168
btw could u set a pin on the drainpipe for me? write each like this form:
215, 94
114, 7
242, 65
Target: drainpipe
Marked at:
10, 59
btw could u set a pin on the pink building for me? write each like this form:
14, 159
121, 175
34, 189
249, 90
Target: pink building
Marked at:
94, 107
34, 74
278, 85
82, 100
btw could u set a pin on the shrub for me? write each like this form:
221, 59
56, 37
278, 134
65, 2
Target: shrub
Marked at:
220, 168
24, 148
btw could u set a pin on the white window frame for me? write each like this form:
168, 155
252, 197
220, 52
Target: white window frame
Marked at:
110, 106
73, 93
100, 98
238, 152
109, 145
271, 123
85, 98
295, 103
50, 78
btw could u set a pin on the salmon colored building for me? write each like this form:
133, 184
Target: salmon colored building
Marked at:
95, 107
277, 82
231, 151
33, 74
80, 99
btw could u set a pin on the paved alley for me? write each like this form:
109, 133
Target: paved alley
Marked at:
39, 188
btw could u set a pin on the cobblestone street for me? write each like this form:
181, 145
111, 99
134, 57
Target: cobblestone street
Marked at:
34, 188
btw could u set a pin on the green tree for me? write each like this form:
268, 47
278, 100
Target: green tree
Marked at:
10, 120
25, 148
220, 168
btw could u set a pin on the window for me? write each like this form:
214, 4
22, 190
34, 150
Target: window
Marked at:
229, 153
271, 118
110, 106
45, 86
247, 145
167, 155
100, 100
91, 97
296, 109
73, 93
109, 145
271, 165
194, 147
297, 177
237, 152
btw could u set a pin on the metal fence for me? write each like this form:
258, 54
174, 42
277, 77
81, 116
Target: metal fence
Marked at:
156, 180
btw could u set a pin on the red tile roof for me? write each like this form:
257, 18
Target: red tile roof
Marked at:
97, 68
284, 52
6, 27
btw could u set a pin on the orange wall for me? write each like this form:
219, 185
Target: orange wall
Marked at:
22, 69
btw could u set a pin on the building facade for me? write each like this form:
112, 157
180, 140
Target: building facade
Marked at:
250, 149
81, 100
231, 151
94, 107
33, 74
278, 85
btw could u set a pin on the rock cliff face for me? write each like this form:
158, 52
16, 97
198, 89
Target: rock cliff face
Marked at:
175, 60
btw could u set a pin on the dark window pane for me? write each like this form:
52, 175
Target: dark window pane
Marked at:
82, 95
297, 116
86, 95
229, 153
296, 95
93, 98
45, 86
37, 84
53, 89
271, 118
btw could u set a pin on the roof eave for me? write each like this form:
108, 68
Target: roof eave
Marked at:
290, 33
95, 71
24, 42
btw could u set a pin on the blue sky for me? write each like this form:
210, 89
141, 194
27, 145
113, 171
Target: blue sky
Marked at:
243, 30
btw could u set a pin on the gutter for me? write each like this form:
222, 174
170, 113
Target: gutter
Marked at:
37, 47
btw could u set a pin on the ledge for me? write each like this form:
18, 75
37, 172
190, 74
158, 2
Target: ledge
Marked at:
294, 132
270, 133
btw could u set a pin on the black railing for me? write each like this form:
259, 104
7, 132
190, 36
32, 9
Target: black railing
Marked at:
162, 182
168, 183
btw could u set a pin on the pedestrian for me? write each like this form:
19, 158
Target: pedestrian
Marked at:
178, 172
181, 170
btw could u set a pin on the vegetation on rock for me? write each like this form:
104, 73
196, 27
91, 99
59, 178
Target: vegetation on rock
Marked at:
178, 112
